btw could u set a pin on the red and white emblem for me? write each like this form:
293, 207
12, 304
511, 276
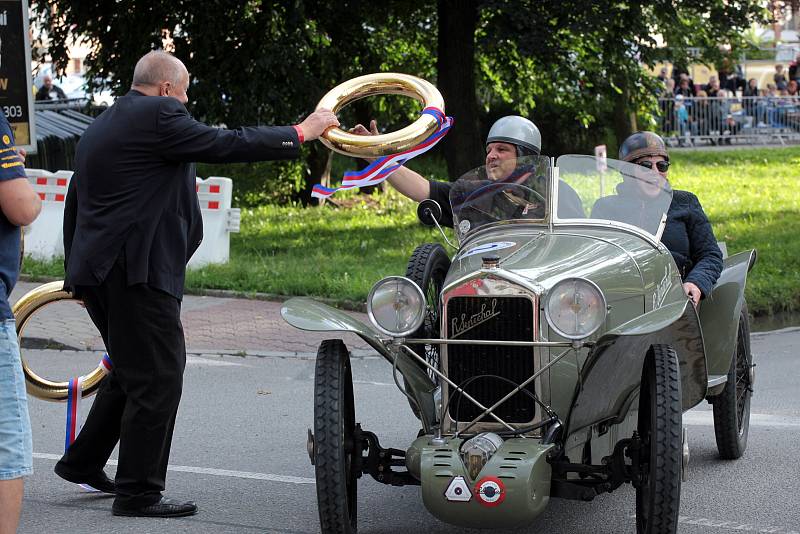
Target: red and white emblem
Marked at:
490, 491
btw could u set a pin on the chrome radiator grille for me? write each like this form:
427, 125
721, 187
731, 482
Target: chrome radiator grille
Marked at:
488, 373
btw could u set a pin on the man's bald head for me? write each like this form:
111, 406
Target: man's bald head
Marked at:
159, 73
158, 66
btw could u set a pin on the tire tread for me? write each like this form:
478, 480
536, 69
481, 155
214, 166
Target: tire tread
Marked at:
332, 498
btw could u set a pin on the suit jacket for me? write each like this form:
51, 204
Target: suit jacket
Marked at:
133, 191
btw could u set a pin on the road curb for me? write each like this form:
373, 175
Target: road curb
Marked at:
343, 304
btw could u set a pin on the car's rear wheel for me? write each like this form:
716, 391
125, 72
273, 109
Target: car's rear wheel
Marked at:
335, 450
732, 406
658, 491
428, 267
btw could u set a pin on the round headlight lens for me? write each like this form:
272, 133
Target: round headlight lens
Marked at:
396, 306
575, 308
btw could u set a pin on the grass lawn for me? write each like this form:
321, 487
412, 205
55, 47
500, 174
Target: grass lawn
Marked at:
750, 195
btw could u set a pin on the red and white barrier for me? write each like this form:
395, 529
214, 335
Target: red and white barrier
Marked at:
219, 220
44, 237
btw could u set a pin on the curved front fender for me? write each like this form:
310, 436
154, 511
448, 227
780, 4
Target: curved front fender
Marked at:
612, 373
308, 314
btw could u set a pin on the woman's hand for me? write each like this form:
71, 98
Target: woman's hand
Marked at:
693, 292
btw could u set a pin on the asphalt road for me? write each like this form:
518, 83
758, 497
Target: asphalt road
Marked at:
239, 451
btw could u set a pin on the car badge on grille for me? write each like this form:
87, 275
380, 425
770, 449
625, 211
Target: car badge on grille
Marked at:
461, 324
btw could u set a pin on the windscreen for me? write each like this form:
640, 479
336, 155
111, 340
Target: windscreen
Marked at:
508, 189
611, 190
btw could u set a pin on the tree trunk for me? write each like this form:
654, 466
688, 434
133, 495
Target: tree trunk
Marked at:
317, 162
455, 64
624, 115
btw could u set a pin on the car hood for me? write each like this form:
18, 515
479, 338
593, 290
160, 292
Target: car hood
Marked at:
542, 257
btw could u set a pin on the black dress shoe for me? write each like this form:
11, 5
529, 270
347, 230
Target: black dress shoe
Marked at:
163, 508
98, 481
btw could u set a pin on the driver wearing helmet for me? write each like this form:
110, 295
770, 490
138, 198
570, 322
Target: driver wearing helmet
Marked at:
687, 235
513, 142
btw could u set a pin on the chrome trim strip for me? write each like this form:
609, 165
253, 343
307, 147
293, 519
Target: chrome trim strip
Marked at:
453, 384
716, 380
513, 392
522, 289
422, 341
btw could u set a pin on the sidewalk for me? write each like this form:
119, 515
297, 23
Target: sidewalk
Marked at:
212, 325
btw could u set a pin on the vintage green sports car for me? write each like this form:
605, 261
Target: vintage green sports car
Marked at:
552, 356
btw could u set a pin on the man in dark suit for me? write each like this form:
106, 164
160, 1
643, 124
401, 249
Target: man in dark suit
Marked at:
132, 221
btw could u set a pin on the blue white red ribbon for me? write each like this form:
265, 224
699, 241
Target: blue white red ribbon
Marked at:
380, 169
74, 396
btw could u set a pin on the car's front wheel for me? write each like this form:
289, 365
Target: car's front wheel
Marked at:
428, 267
335, 449
658, 491
732, 406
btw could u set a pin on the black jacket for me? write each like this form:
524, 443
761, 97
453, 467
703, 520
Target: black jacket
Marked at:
687, 235
133, 191
690, 239
44, 93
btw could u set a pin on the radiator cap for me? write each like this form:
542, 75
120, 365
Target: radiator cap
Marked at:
490, 261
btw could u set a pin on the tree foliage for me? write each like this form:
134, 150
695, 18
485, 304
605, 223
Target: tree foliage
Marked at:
577, 68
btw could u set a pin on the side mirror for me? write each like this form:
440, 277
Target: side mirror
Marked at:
429, 212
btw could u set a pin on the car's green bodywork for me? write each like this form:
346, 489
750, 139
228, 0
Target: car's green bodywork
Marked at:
596, 392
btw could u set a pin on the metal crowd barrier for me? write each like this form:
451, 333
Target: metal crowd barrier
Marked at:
729, 120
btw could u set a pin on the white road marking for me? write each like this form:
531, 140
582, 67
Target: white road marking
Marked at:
371, 383
209, 471
706, 418
210, 362
734, 525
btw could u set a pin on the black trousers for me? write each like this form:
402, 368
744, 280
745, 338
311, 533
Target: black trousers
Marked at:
137, 403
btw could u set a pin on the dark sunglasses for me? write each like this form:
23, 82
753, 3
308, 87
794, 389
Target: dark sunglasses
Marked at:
662, 166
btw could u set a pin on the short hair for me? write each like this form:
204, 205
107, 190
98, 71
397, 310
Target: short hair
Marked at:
158, 66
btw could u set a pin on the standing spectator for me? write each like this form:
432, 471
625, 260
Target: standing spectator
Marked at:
727, 123
779, 77
791, 88
752, 88
734, 82
750, 99
794, 72
19, 206
49, 90
711, 80
667, 106
131, 223
685, 89
684, 121
701, 113
662, 75
771, 101
713, 87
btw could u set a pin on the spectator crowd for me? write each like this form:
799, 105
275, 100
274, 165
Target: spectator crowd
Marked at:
718, 110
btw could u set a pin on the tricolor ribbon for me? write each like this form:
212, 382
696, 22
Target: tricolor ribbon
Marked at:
74, 396
380, 169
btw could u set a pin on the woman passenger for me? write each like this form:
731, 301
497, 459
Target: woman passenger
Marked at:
688, 234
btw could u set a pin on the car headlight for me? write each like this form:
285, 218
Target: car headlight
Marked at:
396, 306
575, 308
